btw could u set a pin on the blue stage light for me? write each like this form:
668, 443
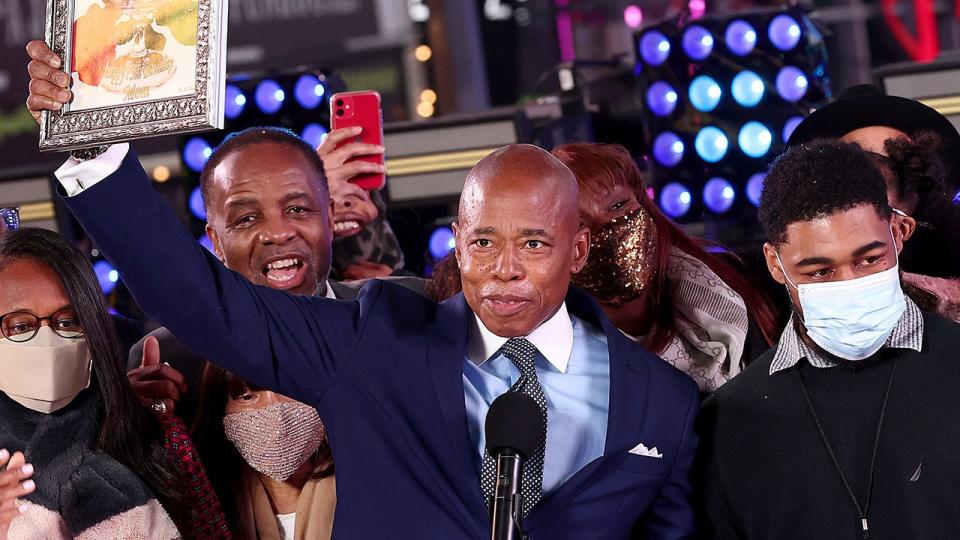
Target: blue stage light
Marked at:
269, 96
668, 149
747, 88
10, 217
107, 276
441, 242
718, 195
675, 199
661, 98
234, 102
755, 188
741, 37
196, 152
789, 126
705, 93
314, 134
308, 91
654, 48
711, 144
784, 32
196, 204
791, 83
755, 139
697, 42
206, 242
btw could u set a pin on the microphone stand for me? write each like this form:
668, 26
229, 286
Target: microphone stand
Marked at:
507, 507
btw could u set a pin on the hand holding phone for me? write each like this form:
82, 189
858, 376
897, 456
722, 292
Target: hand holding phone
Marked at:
339, 152
356, 138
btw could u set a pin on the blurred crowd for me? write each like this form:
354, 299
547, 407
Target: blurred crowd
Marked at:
290, 393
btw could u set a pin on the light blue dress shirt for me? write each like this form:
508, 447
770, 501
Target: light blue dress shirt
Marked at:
577, 390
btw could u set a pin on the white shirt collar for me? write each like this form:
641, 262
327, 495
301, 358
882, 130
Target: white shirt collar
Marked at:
553, 338
329, 293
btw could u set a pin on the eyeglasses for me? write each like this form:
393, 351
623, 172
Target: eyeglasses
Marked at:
11, 217
22, 326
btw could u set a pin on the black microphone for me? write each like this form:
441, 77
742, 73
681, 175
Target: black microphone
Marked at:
513, 428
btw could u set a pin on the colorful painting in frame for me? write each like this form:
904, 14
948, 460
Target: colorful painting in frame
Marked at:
138, 68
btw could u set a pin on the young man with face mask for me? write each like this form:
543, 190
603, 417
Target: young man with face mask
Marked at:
838, 432
888, 126
918, 151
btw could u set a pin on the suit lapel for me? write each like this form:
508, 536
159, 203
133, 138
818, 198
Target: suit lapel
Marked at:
628, 376
447, 338
628, 392
627, 406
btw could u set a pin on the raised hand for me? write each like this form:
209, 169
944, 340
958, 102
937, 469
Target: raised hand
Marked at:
157, 385
48, 82
14, 483
335, 160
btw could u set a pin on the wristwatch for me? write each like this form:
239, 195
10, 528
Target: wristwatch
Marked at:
85, 154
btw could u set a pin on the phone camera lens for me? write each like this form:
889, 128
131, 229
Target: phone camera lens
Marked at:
339, 112
339, 103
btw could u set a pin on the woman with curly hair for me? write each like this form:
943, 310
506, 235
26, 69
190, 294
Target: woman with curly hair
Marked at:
916, 189
917, 185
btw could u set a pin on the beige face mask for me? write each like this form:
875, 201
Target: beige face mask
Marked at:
46, 373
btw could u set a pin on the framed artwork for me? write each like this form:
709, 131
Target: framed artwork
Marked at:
138, 68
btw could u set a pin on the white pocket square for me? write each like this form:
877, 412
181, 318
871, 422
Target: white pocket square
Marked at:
642, 450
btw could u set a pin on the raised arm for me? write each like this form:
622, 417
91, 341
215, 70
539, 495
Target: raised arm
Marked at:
295, 345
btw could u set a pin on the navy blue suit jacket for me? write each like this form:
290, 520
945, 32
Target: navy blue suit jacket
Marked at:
385, 373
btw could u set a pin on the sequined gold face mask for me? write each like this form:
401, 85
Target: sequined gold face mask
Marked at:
622, 261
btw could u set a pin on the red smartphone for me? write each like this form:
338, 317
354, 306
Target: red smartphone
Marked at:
348, 109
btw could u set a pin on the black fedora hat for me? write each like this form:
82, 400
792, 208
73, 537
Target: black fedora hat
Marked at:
866, 105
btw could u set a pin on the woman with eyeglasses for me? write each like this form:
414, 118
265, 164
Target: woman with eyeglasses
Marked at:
79, 456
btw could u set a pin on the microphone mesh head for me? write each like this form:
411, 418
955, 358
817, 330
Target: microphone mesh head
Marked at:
514, 421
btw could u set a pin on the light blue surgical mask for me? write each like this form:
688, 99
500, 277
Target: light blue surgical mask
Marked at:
852, 319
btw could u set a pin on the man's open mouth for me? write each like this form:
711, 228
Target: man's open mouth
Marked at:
283, 272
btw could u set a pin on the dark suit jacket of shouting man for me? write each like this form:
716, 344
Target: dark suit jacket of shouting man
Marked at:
385, 373
178, 356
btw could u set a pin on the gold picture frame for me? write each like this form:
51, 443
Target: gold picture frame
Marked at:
138, 68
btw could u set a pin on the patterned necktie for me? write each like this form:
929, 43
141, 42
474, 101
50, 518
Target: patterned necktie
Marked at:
523, 354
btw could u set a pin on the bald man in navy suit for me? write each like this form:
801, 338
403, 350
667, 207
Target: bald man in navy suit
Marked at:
403, 384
